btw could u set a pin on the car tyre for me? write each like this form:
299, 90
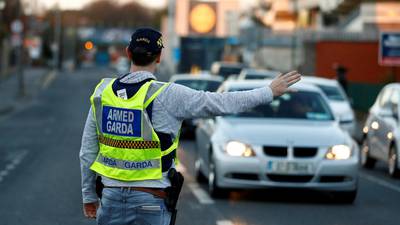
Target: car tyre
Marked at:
200, 178
366, 160
346, 197
213, 189
393, 162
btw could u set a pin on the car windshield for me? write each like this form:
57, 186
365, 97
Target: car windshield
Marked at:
332, 92
297, 105
201, 85
254, 76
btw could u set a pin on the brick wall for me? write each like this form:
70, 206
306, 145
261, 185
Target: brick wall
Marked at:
360, 58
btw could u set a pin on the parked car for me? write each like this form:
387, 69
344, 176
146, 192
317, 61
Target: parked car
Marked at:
203, 82
338, 101
382, 131
293, 142
253, 74
225, 69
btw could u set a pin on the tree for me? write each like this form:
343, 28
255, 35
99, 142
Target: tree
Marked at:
131, 14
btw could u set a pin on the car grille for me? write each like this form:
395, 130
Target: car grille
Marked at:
243, 176
275, 151
333, 179
304, 152
290, 178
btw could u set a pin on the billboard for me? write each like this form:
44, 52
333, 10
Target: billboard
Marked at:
203, 18
389, 49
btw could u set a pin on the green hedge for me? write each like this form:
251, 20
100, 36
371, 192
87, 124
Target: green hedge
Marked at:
364, 95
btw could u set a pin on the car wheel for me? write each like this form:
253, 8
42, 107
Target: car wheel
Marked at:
366, 160
347, 197
213, 189
392, 162
200, 178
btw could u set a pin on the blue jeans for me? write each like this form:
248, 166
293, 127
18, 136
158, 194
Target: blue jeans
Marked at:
120, 206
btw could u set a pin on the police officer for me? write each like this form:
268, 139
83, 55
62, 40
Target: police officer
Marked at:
132, 130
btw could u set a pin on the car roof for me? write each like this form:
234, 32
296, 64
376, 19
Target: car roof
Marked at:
203, 76
251, 84
259, 72
319, 80
393, 85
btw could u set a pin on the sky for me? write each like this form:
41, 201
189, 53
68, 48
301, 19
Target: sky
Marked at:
77, 4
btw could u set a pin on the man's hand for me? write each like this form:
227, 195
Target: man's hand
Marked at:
90, 209
281, 83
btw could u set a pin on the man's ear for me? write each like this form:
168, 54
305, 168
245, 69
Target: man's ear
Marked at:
158, 59
128, 53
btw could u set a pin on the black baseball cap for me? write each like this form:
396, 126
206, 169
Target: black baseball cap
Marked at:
146, 40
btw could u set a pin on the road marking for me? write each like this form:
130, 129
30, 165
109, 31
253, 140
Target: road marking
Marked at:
12, 165
49, 78
200, 194
380, 182
224, 222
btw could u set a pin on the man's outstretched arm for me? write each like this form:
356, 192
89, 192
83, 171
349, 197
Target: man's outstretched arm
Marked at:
185, 103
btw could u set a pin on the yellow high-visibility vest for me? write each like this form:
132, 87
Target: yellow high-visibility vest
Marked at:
129, 148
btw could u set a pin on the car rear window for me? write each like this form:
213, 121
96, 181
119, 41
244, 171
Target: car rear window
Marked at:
297, 105
201, 85
333, 93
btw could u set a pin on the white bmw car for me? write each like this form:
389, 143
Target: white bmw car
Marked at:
293, 142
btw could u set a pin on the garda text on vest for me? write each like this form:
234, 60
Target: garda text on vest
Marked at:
121, 122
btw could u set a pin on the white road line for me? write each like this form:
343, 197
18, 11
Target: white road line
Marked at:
200, 194
380, 182
12, 165
50, 77
224, 222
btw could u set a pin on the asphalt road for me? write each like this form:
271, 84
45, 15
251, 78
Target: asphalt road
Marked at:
40, 176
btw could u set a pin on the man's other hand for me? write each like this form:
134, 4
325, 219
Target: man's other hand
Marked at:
90, 209
281, 83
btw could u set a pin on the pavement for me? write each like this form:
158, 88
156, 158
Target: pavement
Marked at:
35, 79
40, 175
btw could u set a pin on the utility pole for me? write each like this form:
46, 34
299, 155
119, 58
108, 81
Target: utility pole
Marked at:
294, 35
57, 37
18, 30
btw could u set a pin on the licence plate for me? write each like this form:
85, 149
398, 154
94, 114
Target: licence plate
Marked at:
283, 167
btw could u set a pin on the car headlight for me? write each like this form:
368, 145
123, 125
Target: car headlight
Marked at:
338, 152
235, 148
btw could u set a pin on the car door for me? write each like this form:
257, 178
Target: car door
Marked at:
389, 123
204, 133
377, 123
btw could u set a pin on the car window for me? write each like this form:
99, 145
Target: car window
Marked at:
394, 99
384, 98
332, 92
257, 76
304, 105
201, 85
227, 71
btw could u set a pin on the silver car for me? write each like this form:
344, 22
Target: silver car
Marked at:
293, 142
338, 101
382, 131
